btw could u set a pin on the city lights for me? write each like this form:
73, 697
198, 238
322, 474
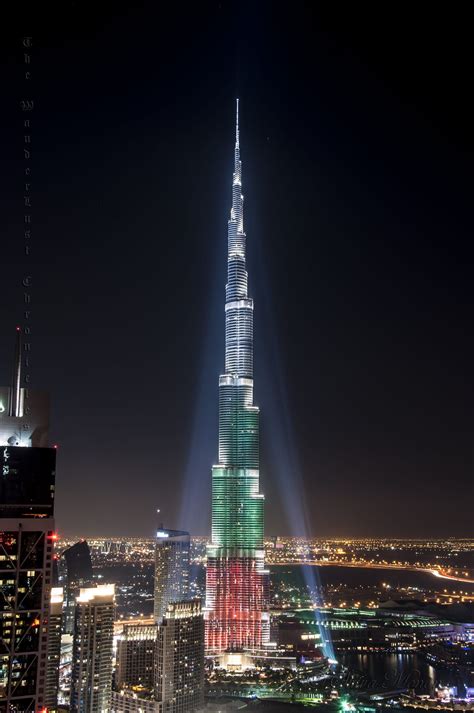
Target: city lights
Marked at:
163, 579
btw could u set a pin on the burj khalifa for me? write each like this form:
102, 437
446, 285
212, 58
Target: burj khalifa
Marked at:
236, 579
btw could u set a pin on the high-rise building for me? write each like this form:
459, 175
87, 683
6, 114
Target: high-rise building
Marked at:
78, 563
180, 660
27, 480
91, 679
236, 579
53, 657
75, 571
171, 569
135, 657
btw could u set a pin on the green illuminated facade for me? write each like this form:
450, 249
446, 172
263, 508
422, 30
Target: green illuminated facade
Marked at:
237, 509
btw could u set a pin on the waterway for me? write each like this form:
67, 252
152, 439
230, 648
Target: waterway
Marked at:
396, 671
387, 671
396, 579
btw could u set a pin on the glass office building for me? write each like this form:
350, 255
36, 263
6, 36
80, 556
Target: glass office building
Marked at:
171, 569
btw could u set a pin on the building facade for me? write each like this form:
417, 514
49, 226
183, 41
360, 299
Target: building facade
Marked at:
135, 657
53, 658
27, 481
129, 702
172, 549
92, 654
236, 579
180, 661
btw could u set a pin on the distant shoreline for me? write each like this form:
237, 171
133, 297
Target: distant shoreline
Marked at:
360, 565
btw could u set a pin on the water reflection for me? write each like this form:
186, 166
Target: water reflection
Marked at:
400, 671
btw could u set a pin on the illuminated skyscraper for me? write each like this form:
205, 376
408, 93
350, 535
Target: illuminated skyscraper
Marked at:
171, 569
236, 581
180, 659
172, 654
92, 655
27, 479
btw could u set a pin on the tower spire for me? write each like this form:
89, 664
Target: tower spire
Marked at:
237, 124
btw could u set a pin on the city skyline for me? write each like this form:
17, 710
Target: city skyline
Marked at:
357, 177
263, 436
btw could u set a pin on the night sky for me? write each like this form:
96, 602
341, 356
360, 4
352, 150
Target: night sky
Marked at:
356, 141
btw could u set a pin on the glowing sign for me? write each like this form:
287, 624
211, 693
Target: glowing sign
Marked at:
160, 533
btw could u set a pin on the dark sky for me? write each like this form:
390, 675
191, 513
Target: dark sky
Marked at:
356, 136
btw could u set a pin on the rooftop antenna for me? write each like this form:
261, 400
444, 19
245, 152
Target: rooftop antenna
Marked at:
15, 388
161, 524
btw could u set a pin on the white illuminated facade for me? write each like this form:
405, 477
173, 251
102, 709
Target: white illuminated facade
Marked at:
28, 426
